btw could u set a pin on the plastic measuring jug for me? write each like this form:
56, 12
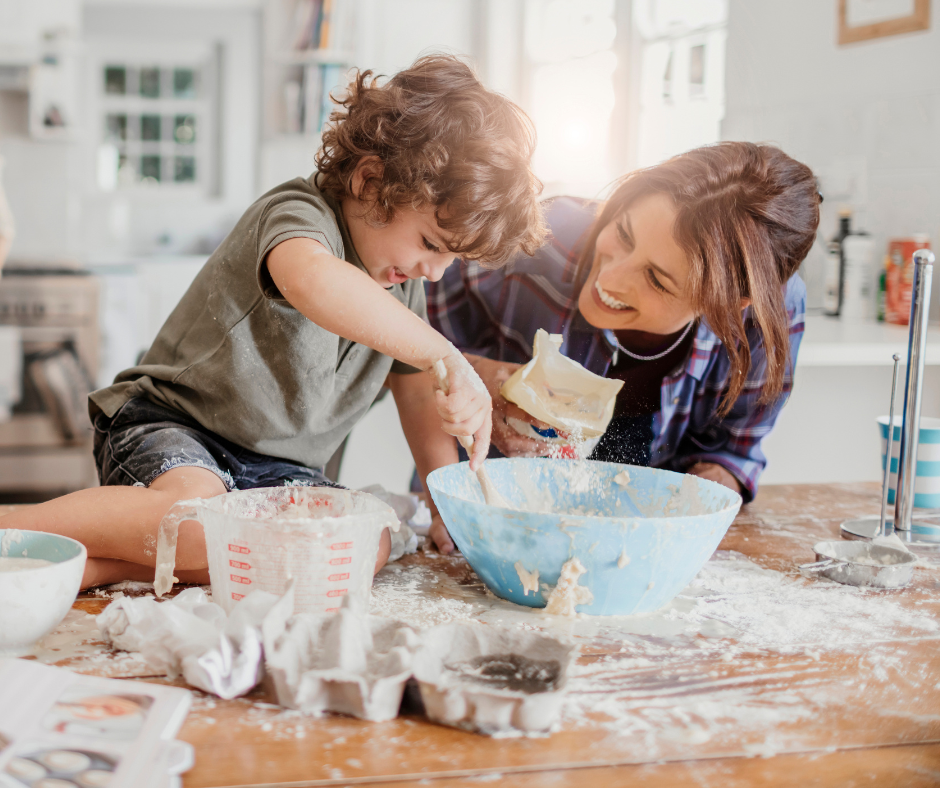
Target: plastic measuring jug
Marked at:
326, 539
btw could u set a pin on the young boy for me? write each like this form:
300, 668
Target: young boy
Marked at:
310, 305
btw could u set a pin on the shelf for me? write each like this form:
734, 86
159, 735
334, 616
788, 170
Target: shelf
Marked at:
309, 56
836, 342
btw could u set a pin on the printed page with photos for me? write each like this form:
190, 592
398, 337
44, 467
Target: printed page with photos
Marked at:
62, 728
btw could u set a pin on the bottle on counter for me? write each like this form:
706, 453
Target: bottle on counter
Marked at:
858, 255
882, 292
834, 293
899, 276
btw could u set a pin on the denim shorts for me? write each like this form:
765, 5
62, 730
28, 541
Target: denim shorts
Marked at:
144, 440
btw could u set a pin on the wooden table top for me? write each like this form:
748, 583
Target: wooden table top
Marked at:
757, 678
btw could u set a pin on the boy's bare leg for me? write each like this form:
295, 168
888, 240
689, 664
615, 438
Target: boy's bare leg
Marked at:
105, 571
121, 523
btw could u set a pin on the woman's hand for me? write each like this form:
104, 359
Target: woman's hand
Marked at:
715, 473
509, 441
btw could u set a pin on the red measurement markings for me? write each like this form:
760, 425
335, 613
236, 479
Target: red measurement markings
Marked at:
236, 597
239, 579
342, 576
337, 592
341, 546
341, 560
237, 548
332, 610
238, 564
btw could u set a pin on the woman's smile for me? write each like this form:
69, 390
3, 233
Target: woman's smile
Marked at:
637, 279
608, 300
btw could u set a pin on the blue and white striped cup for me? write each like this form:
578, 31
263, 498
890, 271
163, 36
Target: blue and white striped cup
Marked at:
927, 483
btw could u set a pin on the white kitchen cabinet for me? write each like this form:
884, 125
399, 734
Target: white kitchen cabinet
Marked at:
137, 297
24, 24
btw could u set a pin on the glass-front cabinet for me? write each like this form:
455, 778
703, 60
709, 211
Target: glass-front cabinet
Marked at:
155, 119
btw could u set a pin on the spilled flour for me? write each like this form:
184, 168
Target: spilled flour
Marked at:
419, 597
768, 609
567, 595
529, 580
741, 648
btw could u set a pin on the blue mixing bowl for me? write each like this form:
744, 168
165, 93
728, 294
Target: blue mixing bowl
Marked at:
641, 541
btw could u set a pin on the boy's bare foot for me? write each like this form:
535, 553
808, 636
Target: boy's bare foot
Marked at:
385, 549
439, 535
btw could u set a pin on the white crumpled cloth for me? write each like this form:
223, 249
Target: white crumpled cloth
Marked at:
190, 636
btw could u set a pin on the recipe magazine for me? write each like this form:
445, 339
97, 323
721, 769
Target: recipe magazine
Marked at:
63, 728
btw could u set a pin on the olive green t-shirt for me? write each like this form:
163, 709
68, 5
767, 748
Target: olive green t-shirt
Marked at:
240, 360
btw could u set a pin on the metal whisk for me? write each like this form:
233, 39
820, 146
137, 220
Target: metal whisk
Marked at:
884, 528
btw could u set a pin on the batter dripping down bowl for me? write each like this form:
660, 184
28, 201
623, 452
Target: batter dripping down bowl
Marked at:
640, 534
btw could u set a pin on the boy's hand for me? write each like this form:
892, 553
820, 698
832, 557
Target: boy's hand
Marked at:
440, 536
466, 408
508, 440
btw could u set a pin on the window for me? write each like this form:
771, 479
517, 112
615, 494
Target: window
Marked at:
697, 70
571, 62
681, 96
667, 79
156, 119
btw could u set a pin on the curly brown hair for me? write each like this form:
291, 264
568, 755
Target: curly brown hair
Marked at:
746, 215
445, 141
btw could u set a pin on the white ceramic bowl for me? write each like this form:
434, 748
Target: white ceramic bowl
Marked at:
34, 601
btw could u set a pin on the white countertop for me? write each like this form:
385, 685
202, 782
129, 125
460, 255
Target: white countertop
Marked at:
838, 342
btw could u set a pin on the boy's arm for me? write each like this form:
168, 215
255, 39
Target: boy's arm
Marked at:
431, 447
346, 301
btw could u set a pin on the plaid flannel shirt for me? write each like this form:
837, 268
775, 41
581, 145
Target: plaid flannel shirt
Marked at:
496, 313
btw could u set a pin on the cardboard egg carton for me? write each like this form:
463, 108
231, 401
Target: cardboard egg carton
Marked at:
346, 662
492, 680
478, 677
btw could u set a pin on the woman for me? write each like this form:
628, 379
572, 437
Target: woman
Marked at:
683, 285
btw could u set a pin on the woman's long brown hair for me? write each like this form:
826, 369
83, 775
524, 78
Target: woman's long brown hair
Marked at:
746, 215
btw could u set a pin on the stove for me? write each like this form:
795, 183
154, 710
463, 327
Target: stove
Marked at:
45, 447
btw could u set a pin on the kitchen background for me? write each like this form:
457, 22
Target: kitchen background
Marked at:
135, 133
